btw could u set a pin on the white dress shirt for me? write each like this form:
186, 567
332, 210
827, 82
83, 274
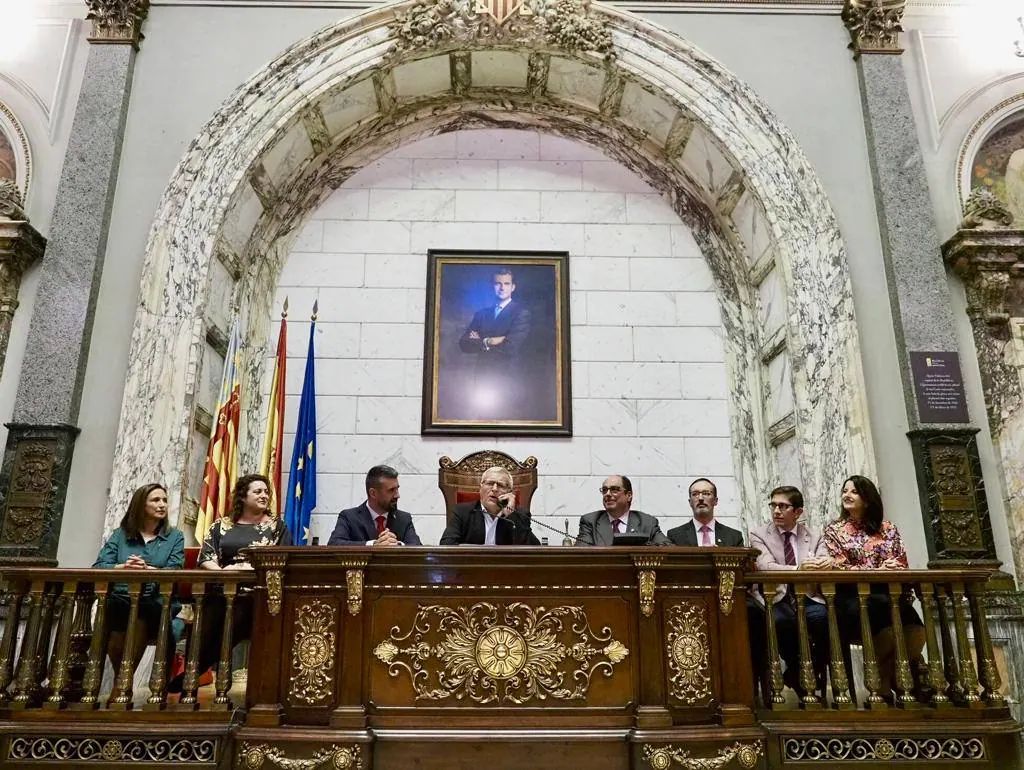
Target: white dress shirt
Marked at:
490, 528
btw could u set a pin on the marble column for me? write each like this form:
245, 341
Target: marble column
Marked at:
43, 430
950, 485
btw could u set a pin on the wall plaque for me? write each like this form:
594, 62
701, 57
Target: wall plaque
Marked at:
939, 387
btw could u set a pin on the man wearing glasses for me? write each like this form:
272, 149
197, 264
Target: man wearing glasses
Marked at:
493, 519
704, 530
601, 527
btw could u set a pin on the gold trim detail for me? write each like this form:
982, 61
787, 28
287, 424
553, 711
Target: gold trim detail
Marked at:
313, 653
646, 580
726, 587
179, 751
689, 653
340, 757
883, 749
513, 654
874, 25
663, 757
117, 21
275, 590
354, 582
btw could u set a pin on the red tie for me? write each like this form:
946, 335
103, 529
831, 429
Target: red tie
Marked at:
705, 533
380, 525
616, 524
787, 549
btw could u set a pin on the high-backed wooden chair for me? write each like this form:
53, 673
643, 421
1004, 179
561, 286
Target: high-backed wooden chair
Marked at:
459, 482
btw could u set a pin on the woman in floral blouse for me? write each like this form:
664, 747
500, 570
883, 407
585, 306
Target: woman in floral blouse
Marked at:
251, 525
862, 539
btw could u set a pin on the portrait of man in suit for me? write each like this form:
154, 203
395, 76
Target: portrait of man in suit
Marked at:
704, 530
618, 517
378, 521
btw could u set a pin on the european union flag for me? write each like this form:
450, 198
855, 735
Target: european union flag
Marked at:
301, 498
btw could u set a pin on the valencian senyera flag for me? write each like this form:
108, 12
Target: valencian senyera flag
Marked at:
270, 458
301, 497
221, 470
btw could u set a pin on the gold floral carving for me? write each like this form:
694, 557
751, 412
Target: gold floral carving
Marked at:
117, 21
689, 653
313, 653
354, 581
513, 654
726, 587
275, 590
253, 756
646, 580
65, 750
662, 758
874, 25
837, 749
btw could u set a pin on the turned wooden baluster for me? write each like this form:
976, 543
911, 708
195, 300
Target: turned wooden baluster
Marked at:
774, 667
189, 701
990, 680
59, 668
872, 678
936, 679
25, 683
13, 597
841, 690
157, 699
950, 664
122, 694
97, 653
968, 674
221, 702
807, 679
50, 597
904, 680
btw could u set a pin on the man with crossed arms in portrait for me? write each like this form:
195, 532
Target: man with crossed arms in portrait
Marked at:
600, 527
376, 522
493, 519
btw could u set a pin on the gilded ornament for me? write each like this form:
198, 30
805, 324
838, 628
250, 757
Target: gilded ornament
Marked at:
117, 21
689, 653
354, 581
338, 757
726, 587
313, 653
81, 749
647, 583
883, 749
874, 25
663, 757
512, 654
275, 591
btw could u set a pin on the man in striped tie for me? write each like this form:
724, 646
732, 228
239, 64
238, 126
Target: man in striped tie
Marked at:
787, 544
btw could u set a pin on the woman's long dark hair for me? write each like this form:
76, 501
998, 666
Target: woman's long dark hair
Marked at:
136, 513
874, 512
241, 490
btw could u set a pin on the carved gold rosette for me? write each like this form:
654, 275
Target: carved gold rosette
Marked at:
254, 756
513, 654
689, 653
313, 654
883, 749
663, 757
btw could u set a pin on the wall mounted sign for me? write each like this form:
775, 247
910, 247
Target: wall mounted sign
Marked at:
939, 387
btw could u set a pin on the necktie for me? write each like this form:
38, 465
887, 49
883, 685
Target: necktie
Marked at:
617, 525
497, 309
705, 535
787, 548
380, 522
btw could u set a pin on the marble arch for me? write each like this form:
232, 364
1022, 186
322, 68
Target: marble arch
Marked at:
337, 100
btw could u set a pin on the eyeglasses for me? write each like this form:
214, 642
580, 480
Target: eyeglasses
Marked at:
612, 490
780, 506
702, 493
497, 484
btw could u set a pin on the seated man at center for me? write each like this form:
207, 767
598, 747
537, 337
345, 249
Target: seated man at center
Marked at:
493, 519
618, 517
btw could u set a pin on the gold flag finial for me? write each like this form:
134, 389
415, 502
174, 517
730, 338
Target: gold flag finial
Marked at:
316, 305
284, 308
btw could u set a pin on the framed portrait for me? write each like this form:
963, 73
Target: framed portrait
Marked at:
496, 348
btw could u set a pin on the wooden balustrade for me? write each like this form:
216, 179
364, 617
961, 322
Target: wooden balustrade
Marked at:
51, 611
944, 676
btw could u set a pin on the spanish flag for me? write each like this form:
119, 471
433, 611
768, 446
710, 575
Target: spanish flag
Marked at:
221, 470
270, 460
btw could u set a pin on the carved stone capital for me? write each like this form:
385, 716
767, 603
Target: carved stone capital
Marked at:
874, 25
984, 210
20, 245
117, 21
11, 204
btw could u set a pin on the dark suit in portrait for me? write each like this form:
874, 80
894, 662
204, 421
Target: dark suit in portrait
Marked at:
596, 528
497, 368
355, 527
726, 537
467, 527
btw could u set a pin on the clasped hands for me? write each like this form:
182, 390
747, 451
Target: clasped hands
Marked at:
387, 538
134, 562
489, 342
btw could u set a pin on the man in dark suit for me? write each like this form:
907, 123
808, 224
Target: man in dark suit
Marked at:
493, 519
378, 521
600, 527
704, 530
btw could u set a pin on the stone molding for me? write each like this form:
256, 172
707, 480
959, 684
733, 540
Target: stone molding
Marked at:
21, 245
874, 25
117, 21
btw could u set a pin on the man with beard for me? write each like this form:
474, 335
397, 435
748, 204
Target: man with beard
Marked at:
704, 530
378, 521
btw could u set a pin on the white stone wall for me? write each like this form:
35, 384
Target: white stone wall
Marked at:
648, 374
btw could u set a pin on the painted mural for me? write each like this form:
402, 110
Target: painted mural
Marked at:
999, 165
8, 167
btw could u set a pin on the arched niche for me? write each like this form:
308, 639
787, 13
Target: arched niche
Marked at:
334, 102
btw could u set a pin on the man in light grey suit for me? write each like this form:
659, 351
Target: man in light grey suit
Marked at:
786, 544
600, 527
